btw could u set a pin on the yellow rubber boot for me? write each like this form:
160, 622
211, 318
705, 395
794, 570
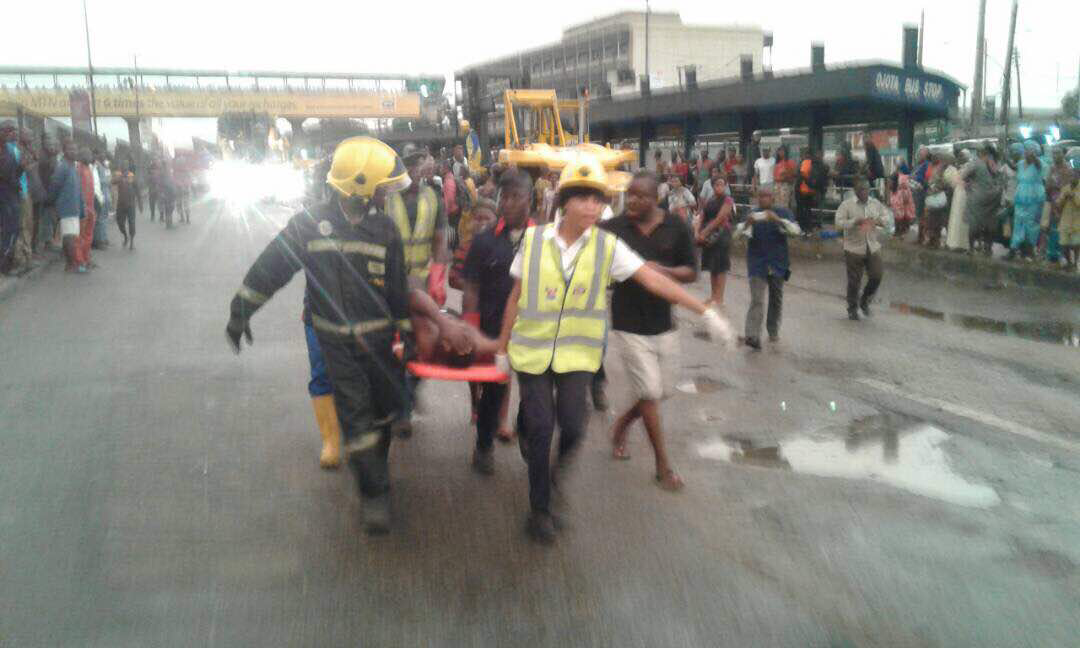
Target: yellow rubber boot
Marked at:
330, 429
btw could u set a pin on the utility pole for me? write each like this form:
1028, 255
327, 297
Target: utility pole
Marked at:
1006, 86
922, 34
647, 42
980, 53
90, 68
1019, 97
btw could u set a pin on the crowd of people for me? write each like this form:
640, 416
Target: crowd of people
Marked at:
1024, 200
534, 252
59, 197
533, 249
954, 198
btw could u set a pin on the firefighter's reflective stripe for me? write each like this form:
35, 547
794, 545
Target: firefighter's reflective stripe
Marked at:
370, 438
416, 240
348, 247
358, 328
253, 296
562, 322
365, 441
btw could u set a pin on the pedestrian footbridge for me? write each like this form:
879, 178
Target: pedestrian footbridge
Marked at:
132, 93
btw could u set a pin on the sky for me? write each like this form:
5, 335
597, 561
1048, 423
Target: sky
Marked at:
438, 37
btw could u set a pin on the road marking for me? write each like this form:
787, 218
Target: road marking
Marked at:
980, 417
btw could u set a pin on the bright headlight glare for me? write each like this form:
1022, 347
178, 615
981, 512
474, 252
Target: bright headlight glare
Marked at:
243, 183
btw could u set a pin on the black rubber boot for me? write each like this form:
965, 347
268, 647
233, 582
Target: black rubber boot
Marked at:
541, 528
376, 514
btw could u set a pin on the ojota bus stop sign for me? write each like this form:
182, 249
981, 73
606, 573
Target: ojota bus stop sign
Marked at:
907, 87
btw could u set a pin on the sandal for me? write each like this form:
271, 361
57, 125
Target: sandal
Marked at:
618, 451
669, 481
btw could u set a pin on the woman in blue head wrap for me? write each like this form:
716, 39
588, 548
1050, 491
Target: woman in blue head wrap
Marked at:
1059, 175
1028, 204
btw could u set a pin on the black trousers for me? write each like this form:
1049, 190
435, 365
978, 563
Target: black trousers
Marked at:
125, 220
487, 413
152, 201
804, 206
856, 264
369, 393
545, 399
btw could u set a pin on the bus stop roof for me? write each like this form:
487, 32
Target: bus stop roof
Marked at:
855, 93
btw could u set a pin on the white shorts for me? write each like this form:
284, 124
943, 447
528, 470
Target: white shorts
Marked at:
651, 362
69, 226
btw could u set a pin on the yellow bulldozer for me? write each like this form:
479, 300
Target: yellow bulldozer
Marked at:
542, 140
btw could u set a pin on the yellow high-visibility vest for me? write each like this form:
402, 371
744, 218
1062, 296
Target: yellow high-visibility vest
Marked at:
561, 321
417, 240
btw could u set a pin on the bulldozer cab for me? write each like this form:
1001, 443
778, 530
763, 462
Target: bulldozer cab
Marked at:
536, 117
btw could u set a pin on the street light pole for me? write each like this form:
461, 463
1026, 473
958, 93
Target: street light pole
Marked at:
90, 69
980, 53
1006, 90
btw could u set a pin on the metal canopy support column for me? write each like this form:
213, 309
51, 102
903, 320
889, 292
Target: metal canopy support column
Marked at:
747, 126
816, 137
691, 129
906, 134
607, 133
645, 134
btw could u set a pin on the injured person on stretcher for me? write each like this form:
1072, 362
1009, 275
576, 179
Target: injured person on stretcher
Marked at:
442, 339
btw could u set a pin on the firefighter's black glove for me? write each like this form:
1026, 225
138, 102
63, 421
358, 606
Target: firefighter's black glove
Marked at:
236, 328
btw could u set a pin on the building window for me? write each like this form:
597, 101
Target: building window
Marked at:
625, 76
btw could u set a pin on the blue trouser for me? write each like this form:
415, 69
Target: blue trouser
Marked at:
1026, 224
1053, 243
319, 385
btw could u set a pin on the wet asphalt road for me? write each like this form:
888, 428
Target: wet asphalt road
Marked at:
906, 481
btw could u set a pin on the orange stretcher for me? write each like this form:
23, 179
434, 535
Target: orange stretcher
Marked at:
475, 373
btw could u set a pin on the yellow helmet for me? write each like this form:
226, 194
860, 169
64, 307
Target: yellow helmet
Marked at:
584, 170
363, 164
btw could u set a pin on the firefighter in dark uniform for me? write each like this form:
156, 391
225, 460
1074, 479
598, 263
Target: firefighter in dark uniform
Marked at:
352, 256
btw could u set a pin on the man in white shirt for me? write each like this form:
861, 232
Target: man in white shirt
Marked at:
862, 217
763, 169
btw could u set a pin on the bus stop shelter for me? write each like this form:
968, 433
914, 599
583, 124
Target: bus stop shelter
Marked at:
811, 99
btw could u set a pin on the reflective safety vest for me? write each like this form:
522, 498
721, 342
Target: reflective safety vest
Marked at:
418, 240
561, 321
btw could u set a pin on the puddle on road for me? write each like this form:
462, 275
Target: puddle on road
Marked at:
701, 385
911, 459
1054, 332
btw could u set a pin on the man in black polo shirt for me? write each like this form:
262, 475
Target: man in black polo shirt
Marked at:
487, 286
643, 329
